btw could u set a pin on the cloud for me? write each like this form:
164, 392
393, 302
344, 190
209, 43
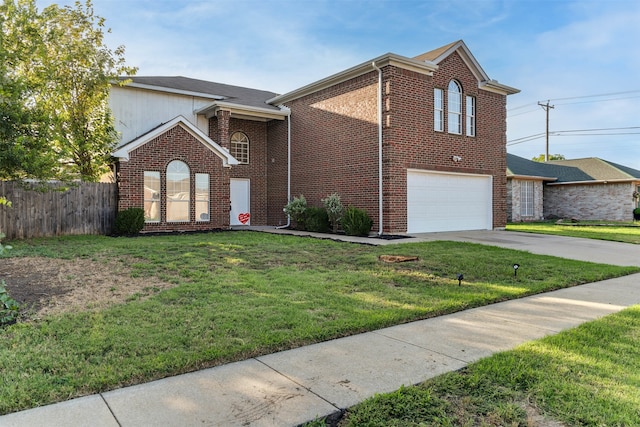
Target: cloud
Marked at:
593, 54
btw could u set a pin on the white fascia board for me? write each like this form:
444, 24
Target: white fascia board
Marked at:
242, 111
422, 67
484, 82
122, 153
598, 181
494, 86
172, 90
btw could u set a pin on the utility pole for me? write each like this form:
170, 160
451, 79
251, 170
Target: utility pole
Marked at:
546, 108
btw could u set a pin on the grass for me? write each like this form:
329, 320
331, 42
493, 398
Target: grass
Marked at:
626, 232
243, 294
587, 376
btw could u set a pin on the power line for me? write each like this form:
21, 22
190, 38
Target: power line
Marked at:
573, 132
581, 97
595, 96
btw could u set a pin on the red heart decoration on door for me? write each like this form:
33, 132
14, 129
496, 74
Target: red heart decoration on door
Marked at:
244, 217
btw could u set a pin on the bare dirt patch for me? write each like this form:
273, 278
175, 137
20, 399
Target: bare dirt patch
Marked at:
46, 286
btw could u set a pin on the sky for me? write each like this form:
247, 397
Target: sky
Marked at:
581, 57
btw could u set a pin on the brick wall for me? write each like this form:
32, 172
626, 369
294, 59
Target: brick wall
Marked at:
611, 201
514, 194
221, 128
411, 142
175, 144
334, 145
277, 172
335, 140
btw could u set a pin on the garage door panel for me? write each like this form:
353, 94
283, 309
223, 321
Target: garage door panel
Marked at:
447, 202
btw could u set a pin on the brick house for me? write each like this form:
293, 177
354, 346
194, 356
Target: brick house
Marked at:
584, 189
419, 143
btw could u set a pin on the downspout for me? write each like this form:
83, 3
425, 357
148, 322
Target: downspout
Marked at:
380, 230
288, 111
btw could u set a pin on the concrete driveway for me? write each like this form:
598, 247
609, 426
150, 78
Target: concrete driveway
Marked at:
614, 253
600, 251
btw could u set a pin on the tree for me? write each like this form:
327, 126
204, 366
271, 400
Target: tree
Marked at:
67, 72
24, 126
540, 158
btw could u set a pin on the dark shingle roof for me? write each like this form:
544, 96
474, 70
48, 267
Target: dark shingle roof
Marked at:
233, 94
577, 170
521, 166
600, 170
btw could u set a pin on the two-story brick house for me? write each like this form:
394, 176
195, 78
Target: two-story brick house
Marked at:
419, 143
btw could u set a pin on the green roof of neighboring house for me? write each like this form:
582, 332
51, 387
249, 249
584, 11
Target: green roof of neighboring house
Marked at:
564, 171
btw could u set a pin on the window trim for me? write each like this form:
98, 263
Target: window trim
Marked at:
438, 110
527, 198
241, 146
207, 178
170, 189
454, 108
158, 201
470, 119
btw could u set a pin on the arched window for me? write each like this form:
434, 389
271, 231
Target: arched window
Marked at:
178, 191
454, 98
240, 147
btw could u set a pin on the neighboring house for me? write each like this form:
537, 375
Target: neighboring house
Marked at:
584, 189
419, 143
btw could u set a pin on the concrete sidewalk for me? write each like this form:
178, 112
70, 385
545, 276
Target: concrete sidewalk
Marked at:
295, 386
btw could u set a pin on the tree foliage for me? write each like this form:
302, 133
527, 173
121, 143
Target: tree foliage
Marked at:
540, 158
24, 126
60, 72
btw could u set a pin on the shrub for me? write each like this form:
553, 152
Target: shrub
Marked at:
296, 209
3, 248
356, 222
317, 220
335, 210
130, 221
9, 307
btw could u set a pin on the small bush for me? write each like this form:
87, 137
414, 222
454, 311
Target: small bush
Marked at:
356, 222
9, 307
317, 220
296, 209
130, 221
3, 248
335, 210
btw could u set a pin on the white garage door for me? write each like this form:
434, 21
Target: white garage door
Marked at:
438, 201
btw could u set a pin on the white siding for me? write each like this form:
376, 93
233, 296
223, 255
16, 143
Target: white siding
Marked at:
137, 111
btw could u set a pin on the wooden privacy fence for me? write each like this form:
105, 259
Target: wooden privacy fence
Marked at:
83, 208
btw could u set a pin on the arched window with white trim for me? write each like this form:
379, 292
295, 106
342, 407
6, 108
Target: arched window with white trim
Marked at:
178, 191
454, 107
240, 147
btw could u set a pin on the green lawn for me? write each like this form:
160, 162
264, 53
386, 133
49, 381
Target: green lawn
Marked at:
587, 376
243, 294
627, 233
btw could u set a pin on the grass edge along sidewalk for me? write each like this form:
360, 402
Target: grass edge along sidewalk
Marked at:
585, 376
238, 295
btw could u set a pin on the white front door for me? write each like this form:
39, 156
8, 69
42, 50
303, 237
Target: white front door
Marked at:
240, 202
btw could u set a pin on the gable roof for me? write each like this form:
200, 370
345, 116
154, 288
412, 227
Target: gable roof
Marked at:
205, 89
587, 170
436, 56
427, 63
521, 167
358, 70
123, 151
599, 169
